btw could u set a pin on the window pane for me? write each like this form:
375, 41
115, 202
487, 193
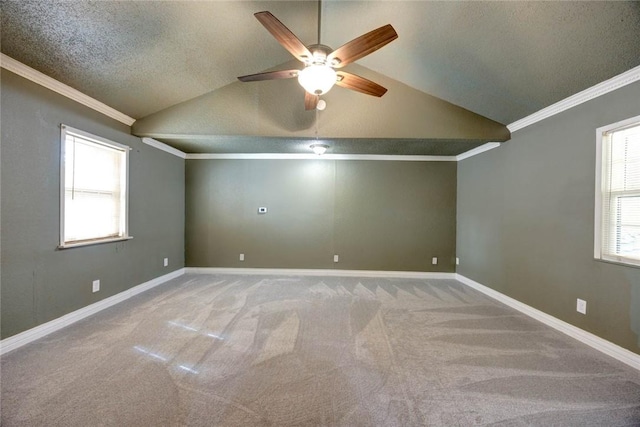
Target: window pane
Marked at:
93, 166
625, 160
620, 194
94, 190
628, 227
90, 215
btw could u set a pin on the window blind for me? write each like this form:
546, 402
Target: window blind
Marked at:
94, 190
621, 195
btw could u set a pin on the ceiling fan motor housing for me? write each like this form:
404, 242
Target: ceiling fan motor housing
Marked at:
320, 53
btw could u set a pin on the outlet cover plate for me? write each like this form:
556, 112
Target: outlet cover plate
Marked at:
96, 286
581, 306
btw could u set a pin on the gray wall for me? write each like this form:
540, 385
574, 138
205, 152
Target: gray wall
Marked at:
526, 221
38, 282
376, 215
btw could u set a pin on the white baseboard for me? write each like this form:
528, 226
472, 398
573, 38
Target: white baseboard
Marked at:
622, 354
321, 272
40, 331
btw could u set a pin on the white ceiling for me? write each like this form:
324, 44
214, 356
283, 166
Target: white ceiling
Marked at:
500, 60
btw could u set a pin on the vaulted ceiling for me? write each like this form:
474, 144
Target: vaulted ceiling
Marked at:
457, 74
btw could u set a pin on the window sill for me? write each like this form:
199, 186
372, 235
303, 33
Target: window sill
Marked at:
617, 262
93, 242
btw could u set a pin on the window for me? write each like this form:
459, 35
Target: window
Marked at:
94, 181
617, 236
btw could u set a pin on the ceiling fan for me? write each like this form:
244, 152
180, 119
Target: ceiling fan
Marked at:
321, 62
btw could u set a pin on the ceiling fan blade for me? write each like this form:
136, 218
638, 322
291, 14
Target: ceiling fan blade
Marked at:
362, 46
284, 36
360, 84
310, 101
270, 75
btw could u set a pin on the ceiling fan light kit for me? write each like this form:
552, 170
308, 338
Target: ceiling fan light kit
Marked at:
319, 74
317, 79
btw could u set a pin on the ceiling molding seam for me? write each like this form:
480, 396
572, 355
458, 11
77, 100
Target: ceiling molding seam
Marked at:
50, 83
621, 80
164, 147
474, 152
311, 156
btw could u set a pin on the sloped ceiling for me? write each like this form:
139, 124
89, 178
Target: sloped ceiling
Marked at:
257, 109
457, 74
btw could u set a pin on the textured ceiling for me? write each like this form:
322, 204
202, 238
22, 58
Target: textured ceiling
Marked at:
156, 60
503, 60
143, 56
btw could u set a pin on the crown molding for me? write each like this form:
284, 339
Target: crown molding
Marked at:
600, 89
290, 156
311, 156
37, 77
50, 83
486, 147
621, 80
164, 147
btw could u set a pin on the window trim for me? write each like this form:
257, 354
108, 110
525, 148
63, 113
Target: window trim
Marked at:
598, 213
64, 130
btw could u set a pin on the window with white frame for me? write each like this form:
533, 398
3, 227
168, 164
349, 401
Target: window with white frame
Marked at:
617, 228
94, 189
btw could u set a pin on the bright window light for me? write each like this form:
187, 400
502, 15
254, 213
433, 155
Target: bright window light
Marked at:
94, 175
618, 193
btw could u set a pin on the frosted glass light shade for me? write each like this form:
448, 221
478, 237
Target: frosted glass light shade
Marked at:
319, 149
317, 79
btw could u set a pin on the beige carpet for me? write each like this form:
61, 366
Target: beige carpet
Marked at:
208, 350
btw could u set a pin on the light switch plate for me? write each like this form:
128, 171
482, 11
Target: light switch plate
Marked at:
581, 306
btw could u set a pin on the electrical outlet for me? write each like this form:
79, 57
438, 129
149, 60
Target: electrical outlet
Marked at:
434, 260
336, 258
581, 306
241, 257
96, 285
166, 262
457, 261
